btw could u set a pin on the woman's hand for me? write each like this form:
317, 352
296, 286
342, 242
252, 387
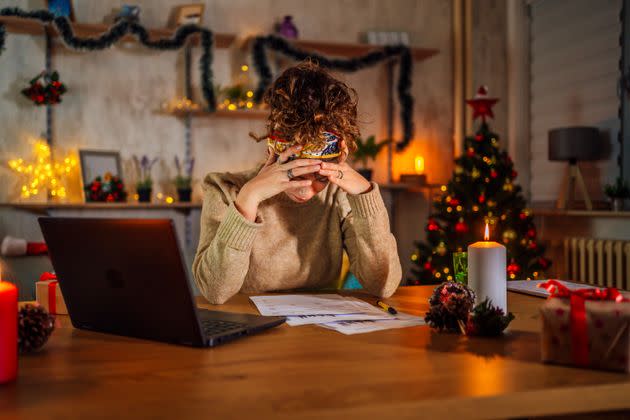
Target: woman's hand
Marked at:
343, 175
272, 179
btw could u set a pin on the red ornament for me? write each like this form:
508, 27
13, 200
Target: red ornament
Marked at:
513, 267
461, 227
533, 245
543, 262
432, 226
428, 266
454, 202
514, 174
481, 104
493, 173
478, 137
523, 216
482, 198
531, 233
470, 152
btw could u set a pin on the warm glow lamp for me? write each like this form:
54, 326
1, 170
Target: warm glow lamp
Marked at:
417, 178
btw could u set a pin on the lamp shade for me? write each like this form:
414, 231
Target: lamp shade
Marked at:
575, 143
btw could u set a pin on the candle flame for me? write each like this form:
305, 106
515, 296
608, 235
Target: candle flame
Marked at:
419, 165
486, 234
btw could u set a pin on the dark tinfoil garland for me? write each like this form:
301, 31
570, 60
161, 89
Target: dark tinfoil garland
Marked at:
403, 86
118, 31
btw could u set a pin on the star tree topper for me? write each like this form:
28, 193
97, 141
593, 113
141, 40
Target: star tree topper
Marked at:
481, 104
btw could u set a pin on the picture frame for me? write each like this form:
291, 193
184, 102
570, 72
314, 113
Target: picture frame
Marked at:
185, 14
61, 8
98, 162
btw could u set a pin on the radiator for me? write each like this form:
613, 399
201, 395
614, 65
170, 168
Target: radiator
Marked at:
600, 262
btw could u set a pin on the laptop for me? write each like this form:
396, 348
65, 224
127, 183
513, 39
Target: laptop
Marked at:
127, 277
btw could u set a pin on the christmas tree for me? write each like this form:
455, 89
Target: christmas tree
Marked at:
482, 190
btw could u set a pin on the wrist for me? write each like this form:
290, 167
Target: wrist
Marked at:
247, 204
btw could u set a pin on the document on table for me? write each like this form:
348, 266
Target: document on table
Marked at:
346, 315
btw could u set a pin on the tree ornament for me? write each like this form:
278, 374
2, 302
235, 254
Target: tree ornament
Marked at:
525, 213
441, 249
478, 137
428, 266
482, 104
493, 174
513, 174
449, 306
475, 173
470, 152
508, 186
482, 198
491, 204
532, 245
487, 320
531, 233
454, 202
544, 263
509, 235
432, 226
459, 170
461, 227
45, 89
513, 268
35, 325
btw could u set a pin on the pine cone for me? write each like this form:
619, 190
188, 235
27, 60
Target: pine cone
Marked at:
449, 306
35, 325
488, 320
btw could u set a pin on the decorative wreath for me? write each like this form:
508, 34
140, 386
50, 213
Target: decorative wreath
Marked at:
45, 89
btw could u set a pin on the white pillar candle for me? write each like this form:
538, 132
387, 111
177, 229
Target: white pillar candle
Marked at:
486, 271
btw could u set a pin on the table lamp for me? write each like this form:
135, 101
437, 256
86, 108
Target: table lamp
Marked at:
417, 178
573, 144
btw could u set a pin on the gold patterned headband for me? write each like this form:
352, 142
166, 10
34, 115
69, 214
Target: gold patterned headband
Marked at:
330, 149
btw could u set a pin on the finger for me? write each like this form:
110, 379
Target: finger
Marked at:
344, 152
271, 157
303, 170
298, 184
293, 150
328, 172
301, 162
332, 166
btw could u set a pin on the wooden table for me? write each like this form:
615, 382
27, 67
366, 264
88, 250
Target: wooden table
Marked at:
310, 372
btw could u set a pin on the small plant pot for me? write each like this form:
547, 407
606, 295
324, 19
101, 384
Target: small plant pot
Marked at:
183, 195
618, 204
144, 195
365, 173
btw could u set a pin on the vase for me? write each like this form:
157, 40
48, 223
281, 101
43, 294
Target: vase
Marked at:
183, 195
617, 204
365, 173
144, 195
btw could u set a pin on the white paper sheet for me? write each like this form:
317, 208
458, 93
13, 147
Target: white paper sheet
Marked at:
295, 320
329, 304
366, 326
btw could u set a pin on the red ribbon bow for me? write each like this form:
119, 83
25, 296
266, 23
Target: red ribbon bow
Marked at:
52, 291
577, 317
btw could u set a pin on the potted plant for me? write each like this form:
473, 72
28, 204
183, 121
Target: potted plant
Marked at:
618, 193
144, 186
367, 150
183, 180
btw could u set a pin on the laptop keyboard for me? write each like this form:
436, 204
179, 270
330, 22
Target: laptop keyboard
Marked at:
213, 326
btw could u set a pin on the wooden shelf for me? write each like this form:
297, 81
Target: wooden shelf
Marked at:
350, 49
580, 213
256, 114
34, 27
44, 208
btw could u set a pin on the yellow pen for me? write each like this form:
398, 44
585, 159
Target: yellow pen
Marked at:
386, 307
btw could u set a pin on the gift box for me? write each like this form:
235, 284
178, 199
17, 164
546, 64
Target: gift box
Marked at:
48, 294
586, 328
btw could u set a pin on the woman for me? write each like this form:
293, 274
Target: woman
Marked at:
284, 225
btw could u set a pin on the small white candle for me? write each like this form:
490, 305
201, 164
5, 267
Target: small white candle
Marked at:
486, 271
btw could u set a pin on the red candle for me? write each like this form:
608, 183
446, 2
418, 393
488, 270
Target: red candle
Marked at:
8, 332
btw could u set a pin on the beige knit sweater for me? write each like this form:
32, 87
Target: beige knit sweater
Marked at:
292, 245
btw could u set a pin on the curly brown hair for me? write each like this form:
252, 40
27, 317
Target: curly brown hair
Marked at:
306, 100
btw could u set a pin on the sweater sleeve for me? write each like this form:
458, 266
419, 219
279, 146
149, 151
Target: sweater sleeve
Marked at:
370, 245
225, 243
